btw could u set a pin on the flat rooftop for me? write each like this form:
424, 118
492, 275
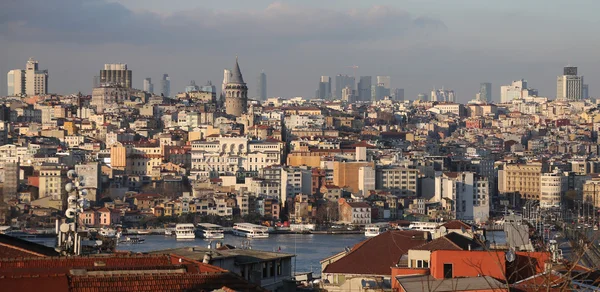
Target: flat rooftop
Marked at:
241, 256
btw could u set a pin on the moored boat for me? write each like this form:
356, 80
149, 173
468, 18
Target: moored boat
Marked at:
185, 231
250, 230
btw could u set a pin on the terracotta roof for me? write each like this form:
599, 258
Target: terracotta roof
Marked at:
376, 256
456, 225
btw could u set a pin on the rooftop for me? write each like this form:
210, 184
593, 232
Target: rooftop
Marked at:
420, 283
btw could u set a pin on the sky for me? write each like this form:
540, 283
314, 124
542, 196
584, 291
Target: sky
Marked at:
421, 44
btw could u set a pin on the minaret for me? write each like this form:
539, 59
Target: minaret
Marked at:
236, 93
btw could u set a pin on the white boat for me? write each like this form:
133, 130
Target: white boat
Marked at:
210, 231
170, 230
374, 230
250, 230
423, 226
107, 232
185, 231
133, 240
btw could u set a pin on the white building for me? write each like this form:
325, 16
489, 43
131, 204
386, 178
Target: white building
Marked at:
294, 181
443, 95
15, 81
218, 155
463, 195
366, 180
552, 187
517, 90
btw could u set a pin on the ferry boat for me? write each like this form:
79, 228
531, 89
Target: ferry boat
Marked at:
250, 230
185, 231
423, 226
374, 230
210, 231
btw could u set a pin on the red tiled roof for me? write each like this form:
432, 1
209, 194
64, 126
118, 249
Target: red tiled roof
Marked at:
376, 256
456, 224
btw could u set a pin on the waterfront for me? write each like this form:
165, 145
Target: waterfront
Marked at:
309, 248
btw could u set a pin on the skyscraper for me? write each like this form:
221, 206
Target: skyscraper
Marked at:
384, 81
341, 82
96, 82
116, 74
485, 92
442, 95
165, 85
16, 82
364, 88
324, 90
261, 88
586, 91
236, 93
148, 86
399, 94
36, 80
569, 86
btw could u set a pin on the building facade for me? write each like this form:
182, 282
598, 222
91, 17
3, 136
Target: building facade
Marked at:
236, 93
116, 74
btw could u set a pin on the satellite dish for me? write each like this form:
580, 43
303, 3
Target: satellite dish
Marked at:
84, 203
443, 229
83, 193
69, 187
71, 174
71, 200
70, 213
64, 227
510, 256
462, 229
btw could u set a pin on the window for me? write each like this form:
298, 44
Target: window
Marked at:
264, 272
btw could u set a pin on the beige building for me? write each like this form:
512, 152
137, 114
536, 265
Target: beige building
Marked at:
398, 180
591, 191
53, 179
36, 81
345, 174
523, 179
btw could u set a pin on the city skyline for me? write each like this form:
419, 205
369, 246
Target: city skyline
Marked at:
429, 46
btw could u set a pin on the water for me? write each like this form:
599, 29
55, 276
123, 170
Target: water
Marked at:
309, 248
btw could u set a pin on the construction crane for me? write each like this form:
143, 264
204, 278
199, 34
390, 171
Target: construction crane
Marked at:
354, 67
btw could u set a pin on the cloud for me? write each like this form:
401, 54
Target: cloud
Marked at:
97, 21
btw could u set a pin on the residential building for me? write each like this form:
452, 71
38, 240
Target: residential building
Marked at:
366, 180
522, 179
463, 195
399, 181
553, 187
355, 213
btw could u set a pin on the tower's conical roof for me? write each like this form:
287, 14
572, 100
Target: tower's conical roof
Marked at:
236, 74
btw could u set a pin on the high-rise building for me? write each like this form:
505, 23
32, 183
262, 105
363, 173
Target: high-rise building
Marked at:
261, 88
341, 82
236, 93
517, 90
384, 81
399, 94
485, 92
380, 92
364, 88
569, 86
148, 86
165, 85
422, 97
348, 94
116, 74
442, 95
16, 82
324, 90
31, 81
585, 91
36, 80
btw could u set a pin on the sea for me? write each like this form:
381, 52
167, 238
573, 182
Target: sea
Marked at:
309, 249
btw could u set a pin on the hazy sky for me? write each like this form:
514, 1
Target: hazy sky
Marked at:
420, 43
